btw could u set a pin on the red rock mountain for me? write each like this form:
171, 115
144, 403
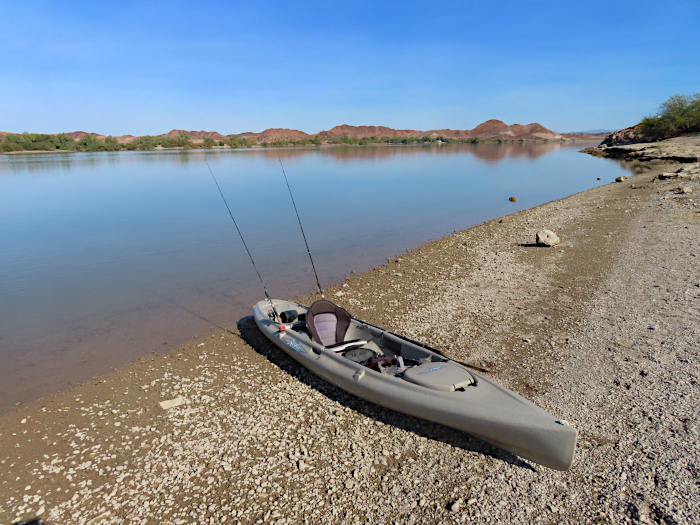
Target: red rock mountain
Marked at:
491, 129
196, 135
77, 135
534, 130
274, 134
494, 129
485, 129
360, 132
488, 129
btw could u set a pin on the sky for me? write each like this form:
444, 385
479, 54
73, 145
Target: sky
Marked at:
148, 67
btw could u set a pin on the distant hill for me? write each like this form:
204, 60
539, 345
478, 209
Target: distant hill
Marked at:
77, 135
494, 129
361, 132
491, 129
196, 135
274, 134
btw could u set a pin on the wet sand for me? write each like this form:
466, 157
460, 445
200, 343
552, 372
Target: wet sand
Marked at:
601, 330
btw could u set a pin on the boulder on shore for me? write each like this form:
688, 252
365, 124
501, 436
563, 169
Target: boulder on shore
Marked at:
547, 238
631, 135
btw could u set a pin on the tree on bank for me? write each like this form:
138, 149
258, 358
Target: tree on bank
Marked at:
678, 115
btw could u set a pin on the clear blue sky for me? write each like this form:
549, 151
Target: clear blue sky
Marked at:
148, 67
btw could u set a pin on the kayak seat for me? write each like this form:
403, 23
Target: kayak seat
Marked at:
443, 376
328, 323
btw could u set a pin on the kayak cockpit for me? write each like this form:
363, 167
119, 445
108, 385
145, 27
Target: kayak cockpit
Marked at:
375, 348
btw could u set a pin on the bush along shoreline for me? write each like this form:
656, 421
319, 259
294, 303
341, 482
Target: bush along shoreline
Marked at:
678, 115
37, 142
27, 142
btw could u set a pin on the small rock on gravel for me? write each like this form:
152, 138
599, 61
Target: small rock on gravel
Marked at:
547, 238
172, 403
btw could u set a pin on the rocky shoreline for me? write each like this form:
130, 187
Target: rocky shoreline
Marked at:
681, 150
602, 330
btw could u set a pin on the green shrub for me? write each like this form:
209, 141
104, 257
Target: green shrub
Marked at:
237, 142
167, 142
676, 116
144, 143
64, 143
10, 146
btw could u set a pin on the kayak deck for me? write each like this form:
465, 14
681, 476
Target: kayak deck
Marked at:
403, 375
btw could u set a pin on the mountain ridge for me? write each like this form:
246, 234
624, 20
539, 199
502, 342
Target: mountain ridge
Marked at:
491, 129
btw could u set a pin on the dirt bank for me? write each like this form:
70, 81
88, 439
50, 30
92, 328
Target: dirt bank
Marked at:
601, 330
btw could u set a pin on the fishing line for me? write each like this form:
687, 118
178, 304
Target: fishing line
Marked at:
243, 241
300, 226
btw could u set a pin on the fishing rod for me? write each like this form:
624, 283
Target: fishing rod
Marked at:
244, 244
300, 226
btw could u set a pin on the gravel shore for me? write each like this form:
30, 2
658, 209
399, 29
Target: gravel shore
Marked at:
602, 330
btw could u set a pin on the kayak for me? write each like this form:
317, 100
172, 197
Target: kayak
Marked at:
409, 377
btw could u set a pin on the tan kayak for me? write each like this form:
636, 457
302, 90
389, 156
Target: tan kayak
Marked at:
402, 375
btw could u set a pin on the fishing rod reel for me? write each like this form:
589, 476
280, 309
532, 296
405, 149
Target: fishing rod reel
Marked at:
287, 317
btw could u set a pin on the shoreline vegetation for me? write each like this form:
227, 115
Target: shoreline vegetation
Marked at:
63, 143
491, 131
677, 116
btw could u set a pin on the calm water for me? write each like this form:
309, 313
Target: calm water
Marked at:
108, 256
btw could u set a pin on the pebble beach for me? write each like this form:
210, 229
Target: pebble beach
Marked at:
602, 330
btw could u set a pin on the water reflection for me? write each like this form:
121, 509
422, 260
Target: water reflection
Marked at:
35, 163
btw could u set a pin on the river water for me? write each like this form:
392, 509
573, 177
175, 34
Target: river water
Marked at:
109, 256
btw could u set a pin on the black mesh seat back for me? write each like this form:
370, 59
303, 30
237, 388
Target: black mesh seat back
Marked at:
327, 322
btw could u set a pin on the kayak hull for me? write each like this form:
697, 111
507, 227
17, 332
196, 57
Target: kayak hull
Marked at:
484, 409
